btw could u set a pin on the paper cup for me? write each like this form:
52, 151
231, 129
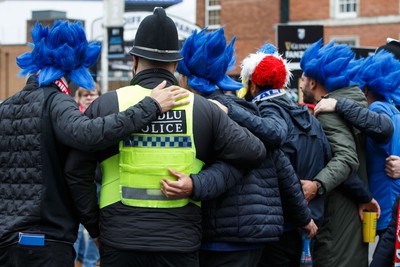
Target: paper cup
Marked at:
369, 226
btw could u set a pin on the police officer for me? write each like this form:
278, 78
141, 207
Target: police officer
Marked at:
139, 225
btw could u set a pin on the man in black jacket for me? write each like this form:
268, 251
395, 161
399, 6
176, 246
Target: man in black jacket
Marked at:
37, 125
140, 227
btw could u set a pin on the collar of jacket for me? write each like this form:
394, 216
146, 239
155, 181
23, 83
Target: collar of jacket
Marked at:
33, 81
150, 78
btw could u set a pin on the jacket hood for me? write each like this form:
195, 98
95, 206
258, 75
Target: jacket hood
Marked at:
299, 115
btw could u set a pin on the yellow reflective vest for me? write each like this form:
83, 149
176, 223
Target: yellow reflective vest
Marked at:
133, 176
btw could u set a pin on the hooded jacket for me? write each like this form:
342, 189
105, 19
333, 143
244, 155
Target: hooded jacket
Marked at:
252, 210
296, 132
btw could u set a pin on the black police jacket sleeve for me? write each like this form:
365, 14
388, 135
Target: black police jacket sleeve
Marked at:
214, 180
294, 203
384, 252
377, 126
78, 131
83, 188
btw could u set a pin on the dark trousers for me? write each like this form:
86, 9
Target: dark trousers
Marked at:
245, 258
284, 253
111, 257
53, 254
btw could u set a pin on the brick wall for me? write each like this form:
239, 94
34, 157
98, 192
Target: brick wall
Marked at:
200, 13
252, 21
379, 8
308, 10
10, 82
369, 35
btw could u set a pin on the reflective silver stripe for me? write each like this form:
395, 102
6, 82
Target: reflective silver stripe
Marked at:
142, 194
157, 50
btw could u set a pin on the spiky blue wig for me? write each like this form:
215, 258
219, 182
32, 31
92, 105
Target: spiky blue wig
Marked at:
61, 51
268, 49
328, 64
380, 73
206, 59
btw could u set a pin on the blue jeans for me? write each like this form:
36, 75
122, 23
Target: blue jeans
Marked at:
86, 250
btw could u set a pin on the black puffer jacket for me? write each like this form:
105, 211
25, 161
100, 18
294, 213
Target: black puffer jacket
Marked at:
36, 127
251, 211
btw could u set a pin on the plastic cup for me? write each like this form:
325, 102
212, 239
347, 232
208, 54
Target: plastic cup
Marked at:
369, 226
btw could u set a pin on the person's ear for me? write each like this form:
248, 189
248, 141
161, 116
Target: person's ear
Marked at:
135, 64
313, 84
253, 89
183, 82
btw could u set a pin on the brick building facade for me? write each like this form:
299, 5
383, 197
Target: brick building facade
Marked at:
360, 23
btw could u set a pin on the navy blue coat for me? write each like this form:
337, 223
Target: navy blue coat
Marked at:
384, 252
282, 123
251, 208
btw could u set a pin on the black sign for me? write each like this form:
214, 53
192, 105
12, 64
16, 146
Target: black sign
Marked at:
363, 51
115, 42
293, 40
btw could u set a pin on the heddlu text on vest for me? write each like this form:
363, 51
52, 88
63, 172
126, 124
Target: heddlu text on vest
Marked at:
173, 121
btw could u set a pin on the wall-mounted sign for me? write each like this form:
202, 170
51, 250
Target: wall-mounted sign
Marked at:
115, 42
293, 40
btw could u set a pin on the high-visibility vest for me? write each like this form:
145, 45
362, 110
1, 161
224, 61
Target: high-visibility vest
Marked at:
133, 176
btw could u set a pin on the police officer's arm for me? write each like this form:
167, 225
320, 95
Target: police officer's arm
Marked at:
233, 143
215, 180
376, 125
78, 131
209, 183
79, 170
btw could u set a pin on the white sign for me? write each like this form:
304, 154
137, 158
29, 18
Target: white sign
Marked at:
131, 21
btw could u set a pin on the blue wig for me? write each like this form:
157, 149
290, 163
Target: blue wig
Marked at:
328, 65
206, 59
380, 73
268, 49
61, 51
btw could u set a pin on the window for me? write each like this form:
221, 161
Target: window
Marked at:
346, 8
213, 14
